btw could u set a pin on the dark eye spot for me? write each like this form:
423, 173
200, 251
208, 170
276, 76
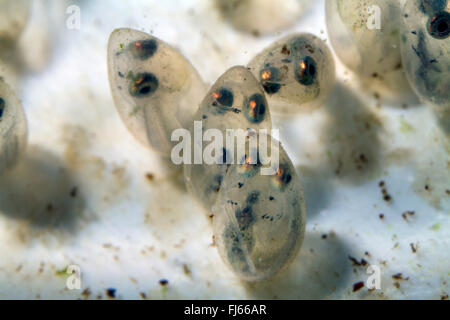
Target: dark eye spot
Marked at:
269, 80
2, 107
282, 177
255, 108
143, 84
224, 97
439, 25
143, 49
305, 70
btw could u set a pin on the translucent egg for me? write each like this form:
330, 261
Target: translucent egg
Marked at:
155, 89
360, 45
13, 18
261, 16
296, 72
425, 47
236, 101
13, 128
365, 36
259, 220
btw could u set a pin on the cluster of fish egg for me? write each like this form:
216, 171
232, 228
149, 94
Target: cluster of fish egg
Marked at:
393, 40
258, 218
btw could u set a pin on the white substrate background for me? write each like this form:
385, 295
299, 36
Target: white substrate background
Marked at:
127, 232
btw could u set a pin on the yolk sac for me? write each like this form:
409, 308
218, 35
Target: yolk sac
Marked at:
2, 107
306, 70
143, 84
224, 97
281, 178
269, 78
255, 108
143, 49
439, 25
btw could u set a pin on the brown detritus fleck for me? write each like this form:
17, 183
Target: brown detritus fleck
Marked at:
381, 216
356, 262
444, 297
407, 213
186, 270
150, 176
397, 285
164, 282
86, 293
143, 295
213, 244
367, 254
399, 276
357, 286
386, 196
413, 247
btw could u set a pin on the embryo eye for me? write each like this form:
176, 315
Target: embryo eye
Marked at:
306, 70
255, 108
224, 97
143, 84
439, 25
143, 49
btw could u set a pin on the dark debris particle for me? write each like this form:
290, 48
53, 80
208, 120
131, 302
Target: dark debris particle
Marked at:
381, 215
164, 282
427, 187
111, 292
150, 176
49, 207
86, 293
271, 198
186, 270
387, 198
447, 192
399, 276
397, 285
74, 192
381, 184
356, 262
357, 286
324, 236
444, 297
406, 214
413, 247
143, 295
240, 185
